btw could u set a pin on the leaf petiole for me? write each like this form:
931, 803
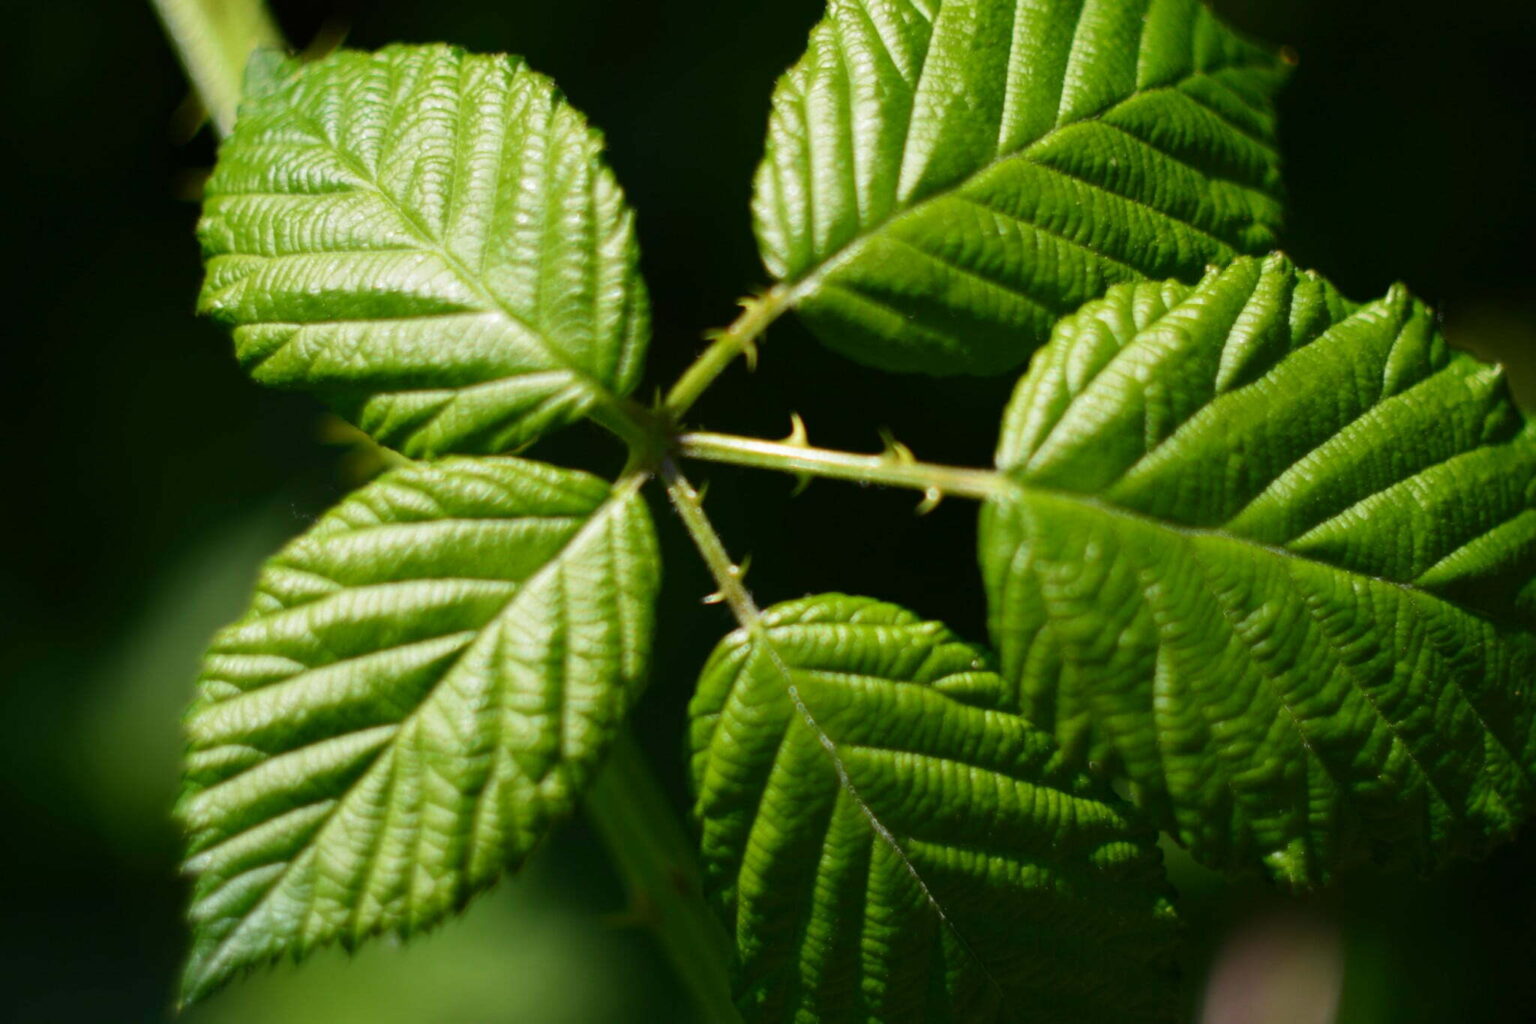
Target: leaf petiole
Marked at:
739, 339
728, 575
895, 467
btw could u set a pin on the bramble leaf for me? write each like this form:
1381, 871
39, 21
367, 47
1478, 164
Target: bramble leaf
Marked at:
1272, 555
892, 843
945, 178
430, 241
423, 685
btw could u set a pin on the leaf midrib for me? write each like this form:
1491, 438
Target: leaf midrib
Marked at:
1012, 488
1024, 491
1435, 785
807, 282
763, 634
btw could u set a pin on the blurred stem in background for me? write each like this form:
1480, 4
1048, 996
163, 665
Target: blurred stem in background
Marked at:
650, 848
655, 858
214, 39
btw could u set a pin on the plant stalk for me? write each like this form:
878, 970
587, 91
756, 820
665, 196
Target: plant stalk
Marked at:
214, 39
638, 825
893, 468
739, 339
728, 575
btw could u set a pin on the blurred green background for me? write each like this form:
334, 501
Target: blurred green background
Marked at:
148, 480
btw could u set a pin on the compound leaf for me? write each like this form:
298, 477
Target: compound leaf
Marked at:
945, 178
430, 241
892, 843
1272, 555
422, 686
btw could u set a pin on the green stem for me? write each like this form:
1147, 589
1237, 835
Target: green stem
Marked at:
214, 39
728, 575
893, 468
738, 339
638, 825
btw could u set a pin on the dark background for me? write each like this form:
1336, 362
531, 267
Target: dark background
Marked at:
144, 479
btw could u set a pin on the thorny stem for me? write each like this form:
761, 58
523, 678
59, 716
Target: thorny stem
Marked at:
727, 574
895, 467
739, 339
214, 39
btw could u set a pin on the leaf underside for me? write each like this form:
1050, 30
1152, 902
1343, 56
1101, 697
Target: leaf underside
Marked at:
1272, 556
424, 682
430, 241
945, 178
893, 844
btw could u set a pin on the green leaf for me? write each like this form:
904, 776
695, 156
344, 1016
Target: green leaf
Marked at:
893, 844
945, 178
431, 242
423, 685
1272, 555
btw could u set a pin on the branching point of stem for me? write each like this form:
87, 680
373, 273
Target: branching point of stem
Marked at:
643, 432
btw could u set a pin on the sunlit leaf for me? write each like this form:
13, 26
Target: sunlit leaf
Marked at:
422, 687
893, 843
430, 241
1272, 555
945, 178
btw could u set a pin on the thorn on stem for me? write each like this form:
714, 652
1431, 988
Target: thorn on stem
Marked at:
896, 452
798, 437
747, 341
931, 498
747, 346
749, 353
737, 573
